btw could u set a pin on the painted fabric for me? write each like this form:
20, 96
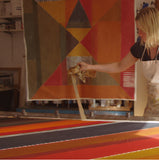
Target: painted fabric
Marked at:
74, 139
61, 33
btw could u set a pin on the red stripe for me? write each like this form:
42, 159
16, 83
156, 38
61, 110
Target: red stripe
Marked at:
102, 151
128, 37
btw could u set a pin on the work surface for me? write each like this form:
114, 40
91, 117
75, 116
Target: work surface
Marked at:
76, 139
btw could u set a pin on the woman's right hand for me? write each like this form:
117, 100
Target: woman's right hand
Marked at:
84, 66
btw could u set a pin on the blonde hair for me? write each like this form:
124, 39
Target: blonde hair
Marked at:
148, 19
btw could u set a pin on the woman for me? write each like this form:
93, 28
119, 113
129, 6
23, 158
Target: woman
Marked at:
146, 49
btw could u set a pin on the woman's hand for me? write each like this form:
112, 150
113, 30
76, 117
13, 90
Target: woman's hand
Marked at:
87, 70
84, 66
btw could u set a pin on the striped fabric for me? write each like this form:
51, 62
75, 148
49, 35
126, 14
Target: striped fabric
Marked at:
76, 139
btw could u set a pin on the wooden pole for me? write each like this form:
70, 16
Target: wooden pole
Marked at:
81, 110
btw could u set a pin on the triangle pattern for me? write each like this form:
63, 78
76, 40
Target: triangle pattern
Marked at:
68, 42
70, 5
56, 9
59, 77
114, 14
79, 50
78, 18
104, 79
97, 40
95, 10
62, 46
79, 33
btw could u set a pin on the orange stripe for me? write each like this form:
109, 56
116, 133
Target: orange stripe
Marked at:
98, 92
45, 126
40, 125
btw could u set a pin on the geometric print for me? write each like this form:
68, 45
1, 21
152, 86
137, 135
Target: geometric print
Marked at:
59, 33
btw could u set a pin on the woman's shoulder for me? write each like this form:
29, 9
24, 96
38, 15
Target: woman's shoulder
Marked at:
137, 49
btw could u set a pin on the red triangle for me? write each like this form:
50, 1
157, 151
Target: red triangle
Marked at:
59, 77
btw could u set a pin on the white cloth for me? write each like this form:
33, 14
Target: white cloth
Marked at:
151, 73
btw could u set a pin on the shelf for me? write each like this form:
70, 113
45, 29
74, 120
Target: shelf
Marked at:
11, 23
10, 16
6, 89
11, 30
110, 108
5, 0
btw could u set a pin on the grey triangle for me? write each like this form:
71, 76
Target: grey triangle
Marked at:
78, 18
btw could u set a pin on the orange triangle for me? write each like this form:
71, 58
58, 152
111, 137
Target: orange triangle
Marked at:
95, 10
79, 33
114, 14
55, 9
79, 50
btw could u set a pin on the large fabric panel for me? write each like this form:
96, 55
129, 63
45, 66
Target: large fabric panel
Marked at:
59, 34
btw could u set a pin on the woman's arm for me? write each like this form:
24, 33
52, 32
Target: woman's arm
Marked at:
115, 67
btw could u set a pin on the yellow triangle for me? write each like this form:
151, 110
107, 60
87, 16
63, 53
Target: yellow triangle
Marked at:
79, 33
55, 9
79, 50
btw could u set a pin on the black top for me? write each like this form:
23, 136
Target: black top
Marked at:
137, 51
